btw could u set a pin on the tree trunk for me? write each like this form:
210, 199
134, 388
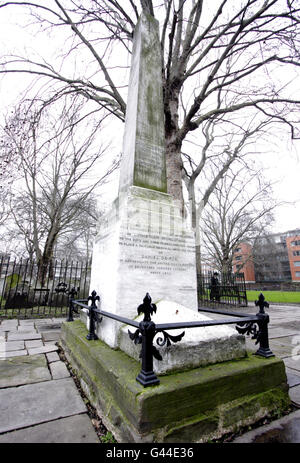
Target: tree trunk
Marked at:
173, 165
46, 261
173, 146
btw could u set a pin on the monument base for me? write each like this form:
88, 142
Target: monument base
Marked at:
198, 405
198, 347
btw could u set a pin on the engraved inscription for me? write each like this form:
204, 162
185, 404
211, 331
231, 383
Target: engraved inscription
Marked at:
160, 255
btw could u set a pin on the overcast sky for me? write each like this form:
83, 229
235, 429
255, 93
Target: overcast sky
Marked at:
281, 165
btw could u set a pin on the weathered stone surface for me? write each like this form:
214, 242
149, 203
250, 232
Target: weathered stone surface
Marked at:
28, 328
143, 161
201, 400
49, 327
295, 394
13, 336
38, 403
283, 430
14, 353
198, 347
9, 325
293, 362
59, 370
293, 377
43, 349
145, 250
34, 343
143, 244
72, 430
11, 345
52, 357
50, 335
23, 370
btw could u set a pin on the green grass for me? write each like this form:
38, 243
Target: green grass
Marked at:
34, 312
276, 296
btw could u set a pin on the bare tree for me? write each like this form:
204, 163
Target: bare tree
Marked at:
223, 146
239, 209
58, 154
222, 58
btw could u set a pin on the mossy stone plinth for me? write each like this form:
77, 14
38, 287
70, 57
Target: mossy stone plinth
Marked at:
191, 406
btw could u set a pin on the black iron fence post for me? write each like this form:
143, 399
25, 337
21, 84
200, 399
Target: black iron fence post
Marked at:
92, 316
263, 320
72, 295
145, 335
147, 377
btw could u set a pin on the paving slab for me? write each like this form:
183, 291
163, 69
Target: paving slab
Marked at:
39, 403
293, 377
279, 332
26, 329
34, 343
52, 357
284, 430
28, 321
51, 335
59, 370
294, 393
42, 350
14, 353
9, 324
285, 340
23, 370
72, 430
11, 345
14, 336
280, 350
49, 327
42, 321
293, 362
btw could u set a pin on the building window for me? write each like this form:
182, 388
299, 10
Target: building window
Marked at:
297, 274
297, 263
238, 258
296, 253
295, 243
237, 250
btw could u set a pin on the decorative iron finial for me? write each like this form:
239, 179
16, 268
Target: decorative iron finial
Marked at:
261, 303
146, 308
94, 297
72, 293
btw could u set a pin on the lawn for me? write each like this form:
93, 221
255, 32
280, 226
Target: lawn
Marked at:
276, 296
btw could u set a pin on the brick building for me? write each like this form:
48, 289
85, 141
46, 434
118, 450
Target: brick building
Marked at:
242, 262
274, 258
293, 249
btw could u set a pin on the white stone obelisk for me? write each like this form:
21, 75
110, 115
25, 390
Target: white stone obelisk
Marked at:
143, 244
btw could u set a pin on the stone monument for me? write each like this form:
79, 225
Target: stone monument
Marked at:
143, 244
209, 384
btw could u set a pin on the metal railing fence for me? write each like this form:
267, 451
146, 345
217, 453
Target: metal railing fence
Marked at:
225, 289
146, 330
24, 295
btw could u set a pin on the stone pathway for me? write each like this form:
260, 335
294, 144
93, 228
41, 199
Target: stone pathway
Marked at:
284, 341
39, 401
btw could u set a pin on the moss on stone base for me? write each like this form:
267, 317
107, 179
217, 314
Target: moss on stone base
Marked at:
192, 406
